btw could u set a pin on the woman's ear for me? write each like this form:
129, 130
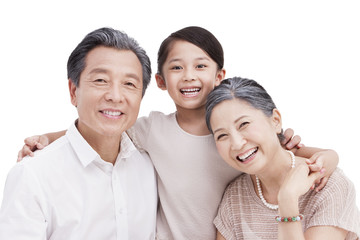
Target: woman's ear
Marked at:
160, 81
276, 120
220, 75
72, 90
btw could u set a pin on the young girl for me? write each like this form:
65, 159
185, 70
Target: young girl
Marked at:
247, 127
191, 175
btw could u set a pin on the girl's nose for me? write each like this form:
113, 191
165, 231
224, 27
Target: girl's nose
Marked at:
189, 75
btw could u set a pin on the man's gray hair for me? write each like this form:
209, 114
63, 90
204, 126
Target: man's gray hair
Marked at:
106, 37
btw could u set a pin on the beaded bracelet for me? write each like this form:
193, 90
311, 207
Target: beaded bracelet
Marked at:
290, 219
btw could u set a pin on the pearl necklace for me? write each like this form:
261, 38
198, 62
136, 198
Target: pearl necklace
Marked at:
269, 205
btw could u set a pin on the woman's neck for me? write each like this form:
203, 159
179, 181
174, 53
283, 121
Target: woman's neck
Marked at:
273, 175
192, 121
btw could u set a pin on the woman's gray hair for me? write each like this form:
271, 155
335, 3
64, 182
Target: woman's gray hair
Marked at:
244, 89
106, 37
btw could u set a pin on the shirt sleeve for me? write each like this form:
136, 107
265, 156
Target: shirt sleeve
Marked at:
335, 205
21, 214
140, 131
224, 221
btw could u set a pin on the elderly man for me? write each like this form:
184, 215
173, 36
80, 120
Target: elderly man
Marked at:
91, 183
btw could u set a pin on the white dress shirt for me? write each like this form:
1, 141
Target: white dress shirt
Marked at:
68, 192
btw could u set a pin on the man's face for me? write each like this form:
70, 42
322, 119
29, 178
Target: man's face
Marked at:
109, 93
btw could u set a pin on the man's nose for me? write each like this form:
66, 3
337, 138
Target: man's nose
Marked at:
115, 93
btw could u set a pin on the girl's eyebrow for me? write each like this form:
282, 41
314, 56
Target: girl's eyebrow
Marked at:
179, 59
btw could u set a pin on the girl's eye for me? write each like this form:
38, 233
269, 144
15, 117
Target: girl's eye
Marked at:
176, 68
201, 66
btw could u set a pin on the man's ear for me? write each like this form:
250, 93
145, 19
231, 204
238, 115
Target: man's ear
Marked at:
160, 81
72, 90
276, 120
220, 75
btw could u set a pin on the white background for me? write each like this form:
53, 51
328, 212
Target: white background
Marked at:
305, 53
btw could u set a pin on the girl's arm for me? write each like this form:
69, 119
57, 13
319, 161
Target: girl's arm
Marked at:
325, 160
318, 159
38, 142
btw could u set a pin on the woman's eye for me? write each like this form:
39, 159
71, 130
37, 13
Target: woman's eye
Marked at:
201, 66
220, 136
243, 124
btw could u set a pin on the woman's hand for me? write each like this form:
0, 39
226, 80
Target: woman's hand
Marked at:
297, 182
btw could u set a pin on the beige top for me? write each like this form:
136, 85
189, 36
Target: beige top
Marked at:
242, 215
192, 177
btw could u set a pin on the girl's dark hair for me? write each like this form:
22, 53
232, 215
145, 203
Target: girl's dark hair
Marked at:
198, 36
244, 89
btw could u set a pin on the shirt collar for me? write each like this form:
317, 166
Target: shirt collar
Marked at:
87, 154
83, 150
127, 147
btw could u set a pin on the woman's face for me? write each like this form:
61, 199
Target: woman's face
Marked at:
245, 137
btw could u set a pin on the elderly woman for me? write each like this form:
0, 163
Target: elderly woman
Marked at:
274, 199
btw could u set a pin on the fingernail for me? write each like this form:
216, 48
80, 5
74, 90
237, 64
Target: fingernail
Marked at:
322, 170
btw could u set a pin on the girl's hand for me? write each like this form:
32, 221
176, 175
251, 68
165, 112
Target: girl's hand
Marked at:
32, 144
290, 141
324, 161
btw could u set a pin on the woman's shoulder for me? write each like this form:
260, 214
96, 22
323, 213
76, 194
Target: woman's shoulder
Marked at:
238, 185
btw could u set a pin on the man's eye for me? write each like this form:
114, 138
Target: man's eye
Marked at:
130, 84
100, 80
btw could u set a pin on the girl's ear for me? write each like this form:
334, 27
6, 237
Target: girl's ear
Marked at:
72, 90
160, 81
276, 120
220, 75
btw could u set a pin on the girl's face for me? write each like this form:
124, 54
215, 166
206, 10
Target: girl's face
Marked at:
189, 75
245, 137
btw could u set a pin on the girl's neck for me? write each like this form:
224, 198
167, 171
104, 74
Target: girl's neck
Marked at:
192, 121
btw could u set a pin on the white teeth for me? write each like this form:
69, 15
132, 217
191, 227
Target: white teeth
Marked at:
189, 91
112, 113
246, 155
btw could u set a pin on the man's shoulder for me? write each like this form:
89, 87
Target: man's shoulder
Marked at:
48, 156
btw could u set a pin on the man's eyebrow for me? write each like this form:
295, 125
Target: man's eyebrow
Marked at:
103, 70
134, 76
98, 70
